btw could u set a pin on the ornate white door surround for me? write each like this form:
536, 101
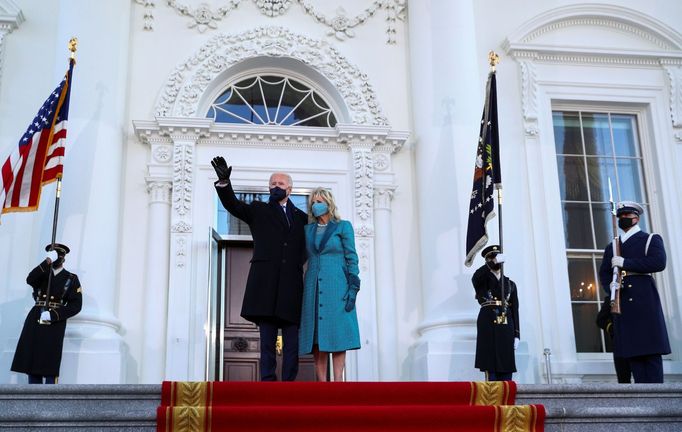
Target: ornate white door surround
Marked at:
638, 66
353, 159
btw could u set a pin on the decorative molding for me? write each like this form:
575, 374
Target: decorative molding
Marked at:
148, 17
159, 191
383, 195
183, 155
187, 83
599, 15
11, 17
341, 26
382, 161
180, 251
363, 169
363, 248
529, 90
181, 227
162, 153
364, 231
675, 77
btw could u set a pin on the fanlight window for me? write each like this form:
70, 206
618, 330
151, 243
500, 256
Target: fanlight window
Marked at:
271, 100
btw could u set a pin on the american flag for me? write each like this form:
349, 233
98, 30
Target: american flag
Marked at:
37, 160
487, 175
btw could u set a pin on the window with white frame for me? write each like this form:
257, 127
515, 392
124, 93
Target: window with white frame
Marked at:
271, 100
591, 148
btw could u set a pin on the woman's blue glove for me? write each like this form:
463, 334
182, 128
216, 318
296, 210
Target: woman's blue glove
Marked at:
350, 296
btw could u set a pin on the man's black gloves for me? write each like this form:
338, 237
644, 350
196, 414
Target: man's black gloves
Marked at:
221, 169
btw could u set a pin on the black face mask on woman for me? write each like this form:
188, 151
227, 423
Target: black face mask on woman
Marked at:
277, 194
625, 223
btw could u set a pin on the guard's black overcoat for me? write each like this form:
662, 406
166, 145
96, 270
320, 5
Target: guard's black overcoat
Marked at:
640, 328
495, 342
274, 287
39, 350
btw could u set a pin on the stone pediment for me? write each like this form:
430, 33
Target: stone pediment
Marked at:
596, 30
11, 15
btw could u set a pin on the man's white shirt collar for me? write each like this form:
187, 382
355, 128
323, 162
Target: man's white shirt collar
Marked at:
634, 230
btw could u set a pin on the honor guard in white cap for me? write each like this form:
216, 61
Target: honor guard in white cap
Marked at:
639, 331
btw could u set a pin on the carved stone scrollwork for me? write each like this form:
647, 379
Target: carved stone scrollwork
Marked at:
190, 80
529, 97
182, 178
180, 251
675, 79
181, 227
363, 167
204, 17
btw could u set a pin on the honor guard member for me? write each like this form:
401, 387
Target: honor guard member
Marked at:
496, 340
39, 350
639, 331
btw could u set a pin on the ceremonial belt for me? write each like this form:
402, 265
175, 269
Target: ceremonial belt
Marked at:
491, 303
43, 303
627, 273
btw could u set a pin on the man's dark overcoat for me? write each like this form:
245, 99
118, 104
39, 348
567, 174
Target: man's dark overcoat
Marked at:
39, 350
640, 328
274, 287
495, 342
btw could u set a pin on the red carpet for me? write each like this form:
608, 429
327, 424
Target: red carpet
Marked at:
395, 406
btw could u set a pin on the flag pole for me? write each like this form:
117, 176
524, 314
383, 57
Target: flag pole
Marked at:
73, 43
493, 60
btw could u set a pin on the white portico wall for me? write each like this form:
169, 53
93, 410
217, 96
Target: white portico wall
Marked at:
350, 159
447, 102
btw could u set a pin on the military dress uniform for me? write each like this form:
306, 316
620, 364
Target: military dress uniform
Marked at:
495, 342
639, 331
39, 350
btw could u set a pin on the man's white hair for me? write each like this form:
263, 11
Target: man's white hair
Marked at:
289, 179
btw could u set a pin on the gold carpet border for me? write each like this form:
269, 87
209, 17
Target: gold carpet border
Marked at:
489, 392
515, 418
190, 419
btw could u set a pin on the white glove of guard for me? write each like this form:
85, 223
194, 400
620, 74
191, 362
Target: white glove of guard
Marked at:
516, 343
499, 258
45, 316
617, 261
614, 286
52, 255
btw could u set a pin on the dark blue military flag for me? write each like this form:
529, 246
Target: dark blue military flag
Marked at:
487, 175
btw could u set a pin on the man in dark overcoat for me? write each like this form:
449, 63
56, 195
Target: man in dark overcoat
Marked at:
274, 288
39, 350
495, 341
639, 331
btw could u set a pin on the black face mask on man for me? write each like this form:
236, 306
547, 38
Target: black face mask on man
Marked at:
626, 223
277, 194
493, 265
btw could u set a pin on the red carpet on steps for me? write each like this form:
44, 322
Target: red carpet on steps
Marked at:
357, 406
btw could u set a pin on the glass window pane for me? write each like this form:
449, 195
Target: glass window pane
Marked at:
630, 179
572, 178
577, 226
581, 279
587, 334
567, 133
600, 170
603, 224
597, 134
624, 130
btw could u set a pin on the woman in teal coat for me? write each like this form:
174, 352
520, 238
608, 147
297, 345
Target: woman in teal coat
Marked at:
329, 323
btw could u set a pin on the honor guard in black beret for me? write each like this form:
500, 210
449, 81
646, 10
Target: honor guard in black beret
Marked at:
57, 296
496, 338
639, 331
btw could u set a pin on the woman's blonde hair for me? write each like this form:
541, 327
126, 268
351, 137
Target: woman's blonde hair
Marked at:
327, 197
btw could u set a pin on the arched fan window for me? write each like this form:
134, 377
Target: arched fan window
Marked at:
271, 100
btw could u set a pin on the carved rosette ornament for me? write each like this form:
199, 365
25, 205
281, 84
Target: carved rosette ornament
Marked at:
191, 79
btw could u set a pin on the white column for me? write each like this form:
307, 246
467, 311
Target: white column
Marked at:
447, 91
156, 286
91, 200
386, 305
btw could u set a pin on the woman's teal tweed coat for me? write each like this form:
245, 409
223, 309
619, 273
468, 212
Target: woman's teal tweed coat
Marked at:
324, 292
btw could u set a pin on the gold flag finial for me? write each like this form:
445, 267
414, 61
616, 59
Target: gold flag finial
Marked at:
73, 45
493, 59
